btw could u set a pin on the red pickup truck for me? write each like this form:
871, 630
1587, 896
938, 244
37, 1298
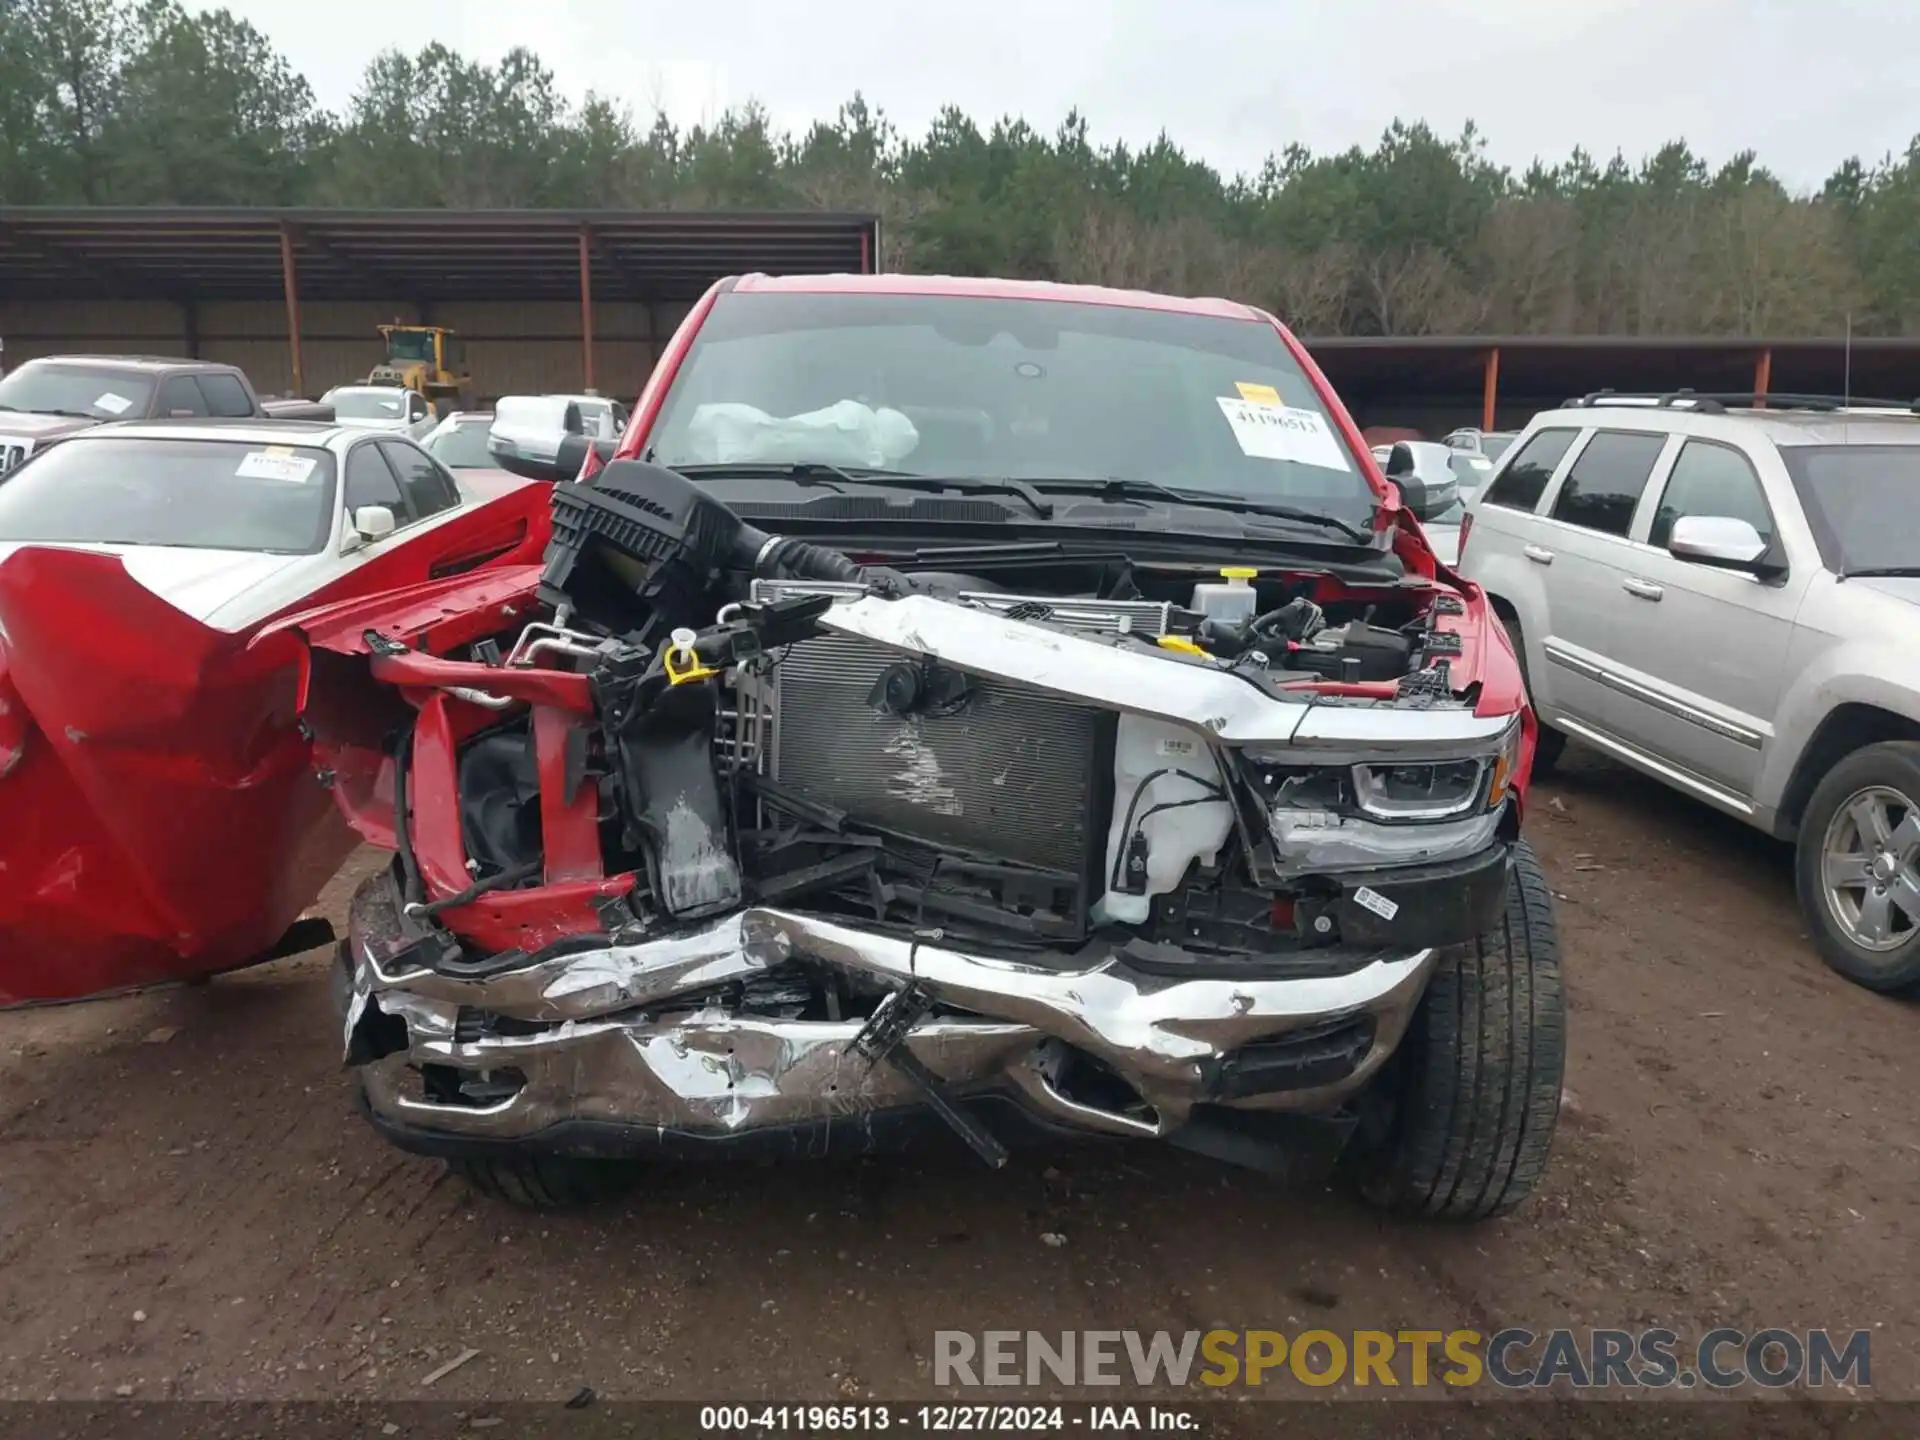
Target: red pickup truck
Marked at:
49, 399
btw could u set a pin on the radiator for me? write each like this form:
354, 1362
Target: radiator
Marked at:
1011, 774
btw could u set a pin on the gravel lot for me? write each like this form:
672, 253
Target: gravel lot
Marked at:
189, 1206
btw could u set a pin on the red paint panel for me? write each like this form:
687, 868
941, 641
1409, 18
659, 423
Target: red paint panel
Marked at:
163, 818
437, 614
646, 409
512, 529
541, 687
570, 830
530, 919
433, 794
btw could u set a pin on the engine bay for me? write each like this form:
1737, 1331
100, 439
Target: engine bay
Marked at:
774, 722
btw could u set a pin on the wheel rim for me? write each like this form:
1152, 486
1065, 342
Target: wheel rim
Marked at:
1870, 869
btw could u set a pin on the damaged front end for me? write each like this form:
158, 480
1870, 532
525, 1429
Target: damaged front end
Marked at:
718, 839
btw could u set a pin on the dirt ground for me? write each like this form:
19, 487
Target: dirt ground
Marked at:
190, 1207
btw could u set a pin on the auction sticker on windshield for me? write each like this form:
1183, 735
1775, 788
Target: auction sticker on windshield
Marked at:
1281, 432
113, 404
1259, 394
269, 465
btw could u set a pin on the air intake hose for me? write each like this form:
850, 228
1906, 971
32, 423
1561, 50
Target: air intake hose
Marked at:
640, 542
782, 558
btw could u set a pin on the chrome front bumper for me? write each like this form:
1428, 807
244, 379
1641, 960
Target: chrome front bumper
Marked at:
619, 1035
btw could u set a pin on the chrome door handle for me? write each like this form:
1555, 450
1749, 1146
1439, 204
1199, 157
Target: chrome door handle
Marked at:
1537, 554
1642, 589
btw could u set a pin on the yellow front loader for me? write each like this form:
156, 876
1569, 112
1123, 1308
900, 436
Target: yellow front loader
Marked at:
428, 359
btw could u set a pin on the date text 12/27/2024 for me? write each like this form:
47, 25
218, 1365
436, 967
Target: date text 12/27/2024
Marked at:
945, 1419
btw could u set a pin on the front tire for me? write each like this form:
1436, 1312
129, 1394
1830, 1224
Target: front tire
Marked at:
1465, 1114
547, 1182
1857, 866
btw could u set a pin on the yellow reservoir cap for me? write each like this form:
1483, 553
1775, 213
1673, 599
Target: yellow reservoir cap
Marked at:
1238, 572
682, 661
1180, 643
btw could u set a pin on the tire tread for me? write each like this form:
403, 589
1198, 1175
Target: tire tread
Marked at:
544, 1182
1481, 1069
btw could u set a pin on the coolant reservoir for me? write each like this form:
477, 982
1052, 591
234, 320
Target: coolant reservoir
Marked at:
1231, 601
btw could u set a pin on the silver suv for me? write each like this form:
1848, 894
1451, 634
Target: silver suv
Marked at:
1728, 598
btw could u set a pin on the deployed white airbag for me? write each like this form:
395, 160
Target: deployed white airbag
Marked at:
847, 433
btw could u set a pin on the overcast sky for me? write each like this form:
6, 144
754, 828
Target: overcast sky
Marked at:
1805, 83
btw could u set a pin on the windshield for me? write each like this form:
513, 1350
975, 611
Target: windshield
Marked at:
76, 390
1863, 502
1022, 389
207, 494
369, 404
1494, 446
415, 346
463, 446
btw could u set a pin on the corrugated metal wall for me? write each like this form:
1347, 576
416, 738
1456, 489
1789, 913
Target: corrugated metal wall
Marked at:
512, 346
117, 327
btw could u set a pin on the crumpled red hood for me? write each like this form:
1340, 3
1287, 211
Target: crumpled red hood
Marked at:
162, 814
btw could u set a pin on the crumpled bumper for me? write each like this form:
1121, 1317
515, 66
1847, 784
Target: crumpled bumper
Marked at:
628, 1037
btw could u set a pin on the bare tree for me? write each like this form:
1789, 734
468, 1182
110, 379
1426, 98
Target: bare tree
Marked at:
1418, 292
1774, 266
1312, 289
1528, 255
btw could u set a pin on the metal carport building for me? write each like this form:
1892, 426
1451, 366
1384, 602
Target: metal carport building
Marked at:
545, 300
1433, 383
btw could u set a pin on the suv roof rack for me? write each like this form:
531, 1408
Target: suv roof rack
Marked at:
1717, 402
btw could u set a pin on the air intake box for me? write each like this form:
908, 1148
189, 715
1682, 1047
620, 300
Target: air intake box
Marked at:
639, 548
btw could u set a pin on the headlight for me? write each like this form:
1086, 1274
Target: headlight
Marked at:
1439, 789
1380, 811
1420, 791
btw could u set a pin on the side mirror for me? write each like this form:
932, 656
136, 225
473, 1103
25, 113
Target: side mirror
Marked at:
1422, 471
539, 437
1720, 541
371, 523
562, 464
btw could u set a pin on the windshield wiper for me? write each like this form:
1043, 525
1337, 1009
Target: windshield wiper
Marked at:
45, 410
1115, 488
1882, 572
812, 472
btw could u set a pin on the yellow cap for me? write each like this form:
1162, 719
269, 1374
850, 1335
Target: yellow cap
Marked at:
1238, 572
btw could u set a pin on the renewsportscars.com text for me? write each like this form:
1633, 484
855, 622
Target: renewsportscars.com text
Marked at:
1514, 1358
